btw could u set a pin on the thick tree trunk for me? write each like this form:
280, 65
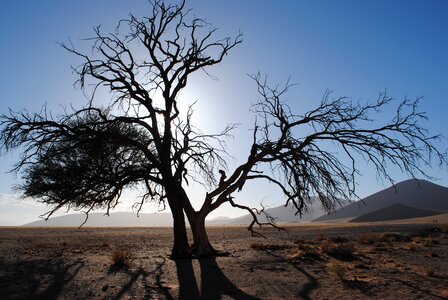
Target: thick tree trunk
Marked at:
180, 246
201, 246
179, 203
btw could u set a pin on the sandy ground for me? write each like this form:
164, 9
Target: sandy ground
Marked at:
395, 261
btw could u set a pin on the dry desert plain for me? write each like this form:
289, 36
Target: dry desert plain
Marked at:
401, 260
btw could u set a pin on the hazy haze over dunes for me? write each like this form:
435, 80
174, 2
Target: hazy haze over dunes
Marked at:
409, 199
118, 219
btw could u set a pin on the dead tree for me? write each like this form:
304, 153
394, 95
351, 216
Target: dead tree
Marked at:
86, 157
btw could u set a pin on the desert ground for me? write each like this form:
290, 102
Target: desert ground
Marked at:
332, 261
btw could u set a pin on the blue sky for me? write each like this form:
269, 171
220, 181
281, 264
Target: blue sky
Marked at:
355, 48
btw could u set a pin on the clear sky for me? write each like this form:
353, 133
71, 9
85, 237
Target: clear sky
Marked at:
355, 48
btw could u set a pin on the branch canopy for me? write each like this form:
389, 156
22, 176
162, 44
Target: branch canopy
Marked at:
318, 153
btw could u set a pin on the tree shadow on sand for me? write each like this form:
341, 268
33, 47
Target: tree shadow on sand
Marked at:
307, 287
36, 279
213, 282
156, 287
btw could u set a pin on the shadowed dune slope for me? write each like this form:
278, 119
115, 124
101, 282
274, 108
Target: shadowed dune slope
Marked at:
396, 211
419, 194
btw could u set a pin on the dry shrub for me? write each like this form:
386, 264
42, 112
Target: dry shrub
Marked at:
429, 242
320, 237
261, 246
413, 248
393, 237
362, 265
444, 228
120, 258
299, 241
418, 240
337, 239
306, 251
368, 238
432, 254
339, 251
381, 246
425, 241
338, 270
444, 293
312, 254
431, 272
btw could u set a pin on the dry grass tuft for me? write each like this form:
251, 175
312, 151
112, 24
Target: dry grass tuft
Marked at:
120, 258
431, 272
306, 251
260, 246
320, 237
444, 293
413, 248
337, 270
342, 251
337, 239
425, 241
299, 241
392, 237
444, 228
362, 266
368, 238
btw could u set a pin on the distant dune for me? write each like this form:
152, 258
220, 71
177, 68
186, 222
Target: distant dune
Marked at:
128, 219
419, 194
396, 211
118, 219
281, 214
417, 198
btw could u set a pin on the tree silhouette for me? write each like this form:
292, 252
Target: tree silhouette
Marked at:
86, 157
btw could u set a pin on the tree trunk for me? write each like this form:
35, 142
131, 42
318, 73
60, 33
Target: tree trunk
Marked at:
181, 248
201, 246
179, 203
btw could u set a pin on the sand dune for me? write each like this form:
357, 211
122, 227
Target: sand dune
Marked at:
281, 214
420, 194
118, 219
396, 211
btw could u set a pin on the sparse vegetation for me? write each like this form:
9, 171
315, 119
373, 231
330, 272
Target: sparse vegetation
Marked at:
342, 251
337, 270
319, 238
430, 272
425, 241
444, 228
289, 259
444, 293
262, 246
306, 251
368, 238
392, 237
362, 265
413, 247
120, 258
337, 239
